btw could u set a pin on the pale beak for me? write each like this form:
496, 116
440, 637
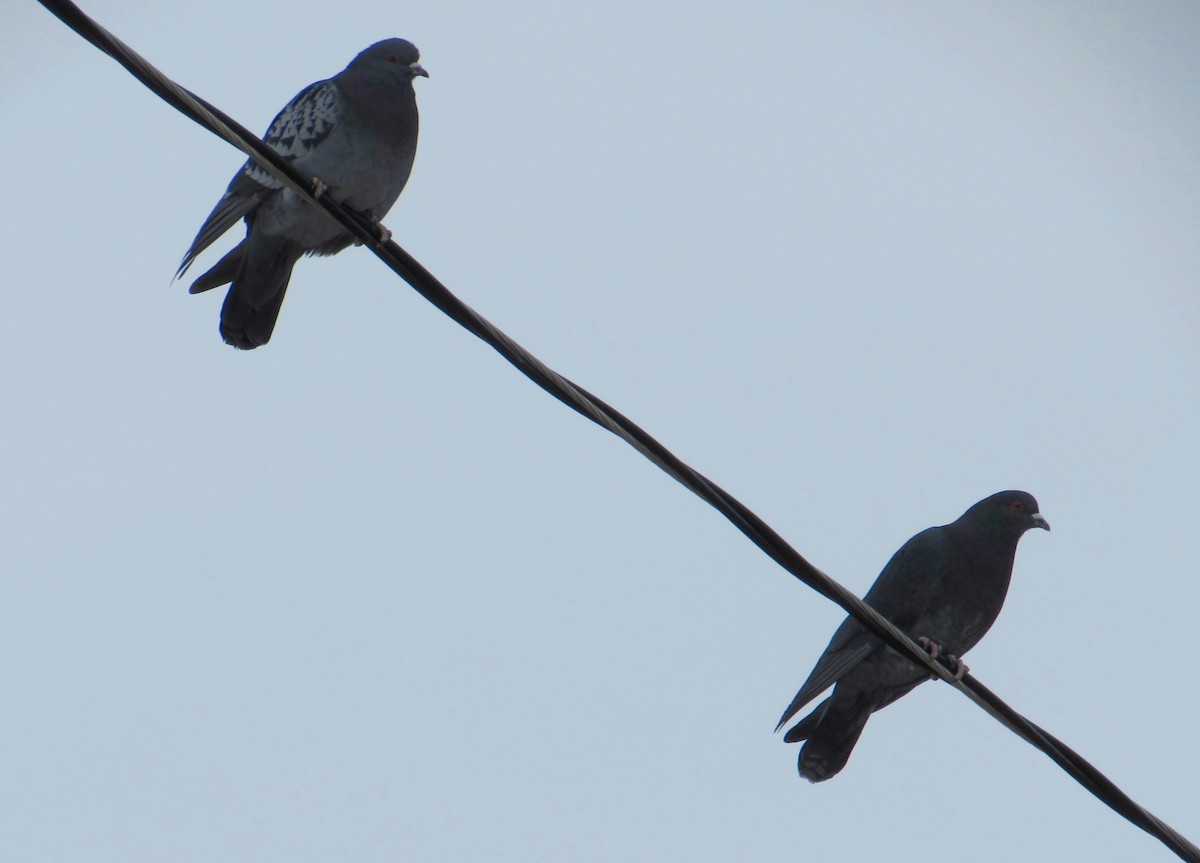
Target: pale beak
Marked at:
417, 69
1039, 520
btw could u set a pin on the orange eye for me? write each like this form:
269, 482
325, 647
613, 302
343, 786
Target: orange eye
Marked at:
1016, 506
392, 58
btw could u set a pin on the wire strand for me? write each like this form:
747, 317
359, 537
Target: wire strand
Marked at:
580, 400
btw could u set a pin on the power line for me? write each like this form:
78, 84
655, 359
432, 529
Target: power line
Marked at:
596, 410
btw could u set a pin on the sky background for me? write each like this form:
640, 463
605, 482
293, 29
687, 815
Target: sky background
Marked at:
367, 594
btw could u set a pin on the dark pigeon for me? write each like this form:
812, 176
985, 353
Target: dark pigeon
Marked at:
355, 134
944, 587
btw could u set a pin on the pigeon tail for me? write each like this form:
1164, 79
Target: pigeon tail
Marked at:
832, 739
804, 729
223, 272
256, 295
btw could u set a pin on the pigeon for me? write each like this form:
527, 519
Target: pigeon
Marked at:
355, 135
944, 587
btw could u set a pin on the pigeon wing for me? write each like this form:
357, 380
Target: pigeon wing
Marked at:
301, 127
242, 196
901, 594
296, 131
850, 645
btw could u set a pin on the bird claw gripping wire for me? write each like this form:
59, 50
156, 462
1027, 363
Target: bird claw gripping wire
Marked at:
935, 650
384, 234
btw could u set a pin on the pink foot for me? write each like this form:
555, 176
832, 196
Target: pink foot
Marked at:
960, 667
935, 650
931, 646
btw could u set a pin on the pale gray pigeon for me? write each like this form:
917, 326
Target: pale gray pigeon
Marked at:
355, 135
944, 587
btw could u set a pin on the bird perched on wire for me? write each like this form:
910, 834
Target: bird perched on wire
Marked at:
355, 134
944, 588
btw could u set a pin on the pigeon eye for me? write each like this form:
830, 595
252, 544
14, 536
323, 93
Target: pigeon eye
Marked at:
1016, 506
392, 58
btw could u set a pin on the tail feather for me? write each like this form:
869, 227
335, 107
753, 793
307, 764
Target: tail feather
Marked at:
223, 272
831, 738
256, 295
245, 327
803, 729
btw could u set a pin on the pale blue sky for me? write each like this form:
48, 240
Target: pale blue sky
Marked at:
367, 594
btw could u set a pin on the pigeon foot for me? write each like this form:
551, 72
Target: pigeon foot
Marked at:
935, 650
931, 647
960, 667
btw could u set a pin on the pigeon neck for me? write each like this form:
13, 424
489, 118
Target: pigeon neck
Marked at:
993, 550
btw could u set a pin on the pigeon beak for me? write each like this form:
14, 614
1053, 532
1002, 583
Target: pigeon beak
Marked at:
1039, 520
417, 69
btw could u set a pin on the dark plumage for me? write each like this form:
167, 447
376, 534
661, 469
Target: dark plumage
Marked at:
357, 134
946, 585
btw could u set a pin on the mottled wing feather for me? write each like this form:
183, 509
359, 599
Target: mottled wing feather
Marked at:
300, 127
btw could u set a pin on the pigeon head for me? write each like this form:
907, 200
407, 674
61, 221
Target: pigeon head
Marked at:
1009, 513
391, 57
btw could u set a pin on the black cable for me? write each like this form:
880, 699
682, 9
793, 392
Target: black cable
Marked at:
580, 400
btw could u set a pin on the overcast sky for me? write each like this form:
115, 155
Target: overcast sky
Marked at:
367, 594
